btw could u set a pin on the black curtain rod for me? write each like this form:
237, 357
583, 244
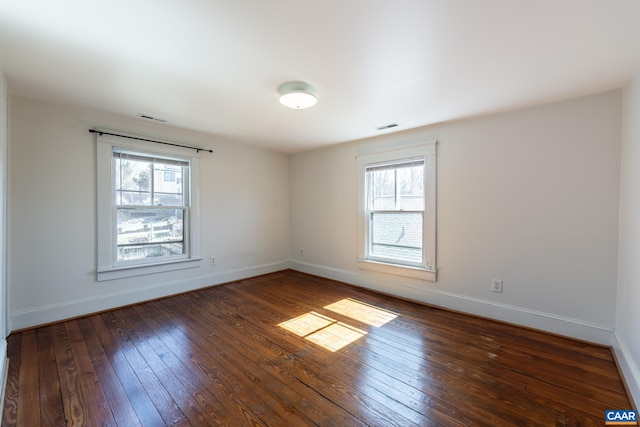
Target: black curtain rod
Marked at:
150, 140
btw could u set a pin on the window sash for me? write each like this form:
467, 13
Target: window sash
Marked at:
143, 236
397, 243
394, 199
155, 183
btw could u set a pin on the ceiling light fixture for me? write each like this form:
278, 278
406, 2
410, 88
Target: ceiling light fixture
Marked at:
297, 95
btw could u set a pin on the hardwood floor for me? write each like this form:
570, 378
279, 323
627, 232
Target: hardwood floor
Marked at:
260, 352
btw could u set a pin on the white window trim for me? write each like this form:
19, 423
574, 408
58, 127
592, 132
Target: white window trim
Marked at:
107, 268
428, 271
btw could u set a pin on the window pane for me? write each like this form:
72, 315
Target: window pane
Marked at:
167, 184
382, 186
145, 233
133, 182
410, 188
396, 235
397, 187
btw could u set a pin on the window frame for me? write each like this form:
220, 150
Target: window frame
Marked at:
427, 269
108, 267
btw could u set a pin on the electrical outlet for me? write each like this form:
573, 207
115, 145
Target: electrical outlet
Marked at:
301, 252
212, 260
496, 285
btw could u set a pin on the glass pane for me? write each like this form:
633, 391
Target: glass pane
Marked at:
167, 183
131, 253
133, 182
145, 233
382, 187
397, 236
410, 188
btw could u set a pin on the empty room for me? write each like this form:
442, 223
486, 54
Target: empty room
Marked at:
292, 213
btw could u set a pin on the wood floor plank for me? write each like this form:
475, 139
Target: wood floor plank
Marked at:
10, 413
100, 413
29, 399
220, 356
52, 413
76, 409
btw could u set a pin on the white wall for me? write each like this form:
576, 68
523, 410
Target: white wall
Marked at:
244, 198
3, 228
530, 197
627, 311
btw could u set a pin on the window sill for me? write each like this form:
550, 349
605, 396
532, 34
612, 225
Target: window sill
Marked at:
141, 270
398, 270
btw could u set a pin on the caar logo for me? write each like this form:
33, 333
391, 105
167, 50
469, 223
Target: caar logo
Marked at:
621, 418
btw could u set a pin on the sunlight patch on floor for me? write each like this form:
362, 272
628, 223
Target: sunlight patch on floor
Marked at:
323, 330
332, 334
336, 336
307, 324
362, 312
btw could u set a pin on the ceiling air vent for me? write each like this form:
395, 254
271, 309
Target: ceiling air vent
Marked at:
147, 117
389, 126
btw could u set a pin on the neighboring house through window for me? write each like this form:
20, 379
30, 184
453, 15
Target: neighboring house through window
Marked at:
397, 208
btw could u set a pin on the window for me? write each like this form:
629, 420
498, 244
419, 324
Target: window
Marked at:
397, 211
150, 212
147, 222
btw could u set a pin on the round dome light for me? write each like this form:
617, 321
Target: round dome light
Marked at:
297, 95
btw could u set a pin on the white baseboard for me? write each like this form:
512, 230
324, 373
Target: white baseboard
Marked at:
22, 319
560, 325
630, 370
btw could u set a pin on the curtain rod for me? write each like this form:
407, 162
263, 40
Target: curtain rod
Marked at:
149, 140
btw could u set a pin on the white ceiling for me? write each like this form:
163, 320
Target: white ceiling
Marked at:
214, 66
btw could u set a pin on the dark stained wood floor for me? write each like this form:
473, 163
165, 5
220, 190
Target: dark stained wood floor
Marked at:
219, 357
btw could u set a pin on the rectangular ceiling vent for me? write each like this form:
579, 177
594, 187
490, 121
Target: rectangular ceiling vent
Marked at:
147, 117
389, 126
